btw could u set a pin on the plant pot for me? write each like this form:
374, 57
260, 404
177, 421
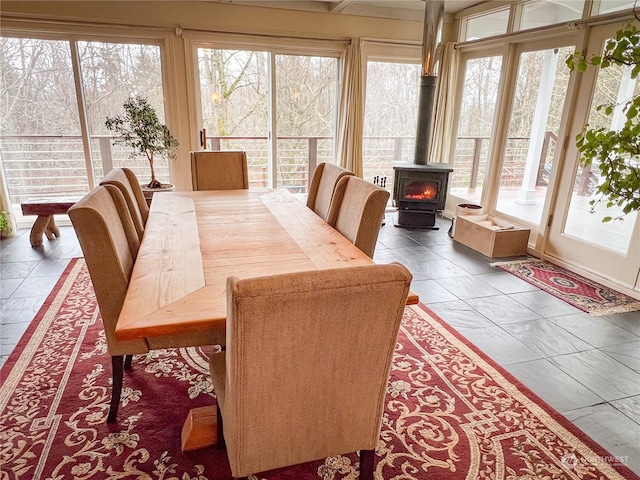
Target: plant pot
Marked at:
149, 192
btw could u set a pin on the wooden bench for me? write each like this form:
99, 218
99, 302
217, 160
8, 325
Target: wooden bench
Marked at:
45, 209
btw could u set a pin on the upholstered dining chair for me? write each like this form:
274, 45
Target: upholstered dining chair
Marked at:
357, 210
323, 184
125, 179
306, 366
110, 245
219, 170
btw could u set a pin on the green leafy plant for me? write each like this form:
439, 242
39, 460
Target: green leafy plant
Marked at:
616, 151
5, 228
140, 129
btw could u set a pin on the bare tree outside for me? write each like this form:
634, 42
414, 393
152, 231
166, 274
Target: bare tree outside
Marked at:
235, 89
36, 88
41, 143
391, 110
111, 74
40, 128
234, 85
306, 97
479, 97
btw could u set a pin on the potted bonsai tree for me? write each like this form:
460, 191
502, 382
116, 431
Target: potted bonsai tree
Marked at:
140, 129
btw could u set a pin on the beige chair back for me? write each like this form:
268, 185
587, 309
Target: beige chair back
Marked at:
127, 182
110, 246
357, 210
323, 184
307, 361
106, 237
219, 170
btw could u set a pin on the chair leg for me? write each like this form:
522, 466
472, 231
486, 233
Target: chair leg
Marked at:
367, 458
117, 375
127, 362
219, 429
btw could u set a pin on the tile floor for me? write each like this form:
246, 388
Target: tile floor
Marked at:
587, 368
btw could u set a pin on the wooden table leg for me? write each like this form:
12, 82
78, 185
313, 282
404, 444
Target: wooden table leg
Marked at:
200, 428
52, 230
38, 229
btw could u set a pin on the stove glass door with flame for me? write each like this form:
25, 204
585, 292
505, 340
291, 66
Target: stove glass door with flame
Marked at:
421, 190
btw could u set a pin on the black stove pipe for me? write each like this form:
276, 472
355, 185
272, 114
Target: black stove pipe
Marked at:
433, 19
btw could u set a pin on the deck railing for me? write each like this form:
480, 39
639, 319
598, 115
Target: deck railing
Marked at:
54, 166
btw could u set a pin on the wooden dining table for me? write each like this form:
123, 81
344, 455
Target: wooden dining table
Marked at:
194, 241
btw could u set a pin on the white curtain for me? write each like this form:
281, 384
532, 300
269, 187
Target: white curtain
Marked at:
351, 110
5, 202
441, 140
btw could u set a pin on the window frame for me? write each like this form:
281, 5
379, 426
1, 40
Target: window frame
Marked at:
273, 46
72, 34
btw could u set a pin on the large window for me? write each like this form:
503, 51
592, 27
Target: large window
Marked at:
234, 99
538, 101
111, 73
478, 100
306, 102
250, 98
532, 171
44, 148
40, 141
391, 109
540, 14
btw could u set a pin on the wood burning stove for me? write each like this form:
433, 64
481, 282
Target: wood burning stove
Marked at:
419, 193
420, 188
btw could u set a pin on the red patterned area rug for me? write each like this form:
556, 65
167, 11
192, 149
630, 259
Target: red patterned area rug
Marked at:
450, 413
582, 293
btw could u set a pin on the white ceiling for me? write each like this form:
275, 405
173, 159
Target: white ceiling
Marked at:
402, 9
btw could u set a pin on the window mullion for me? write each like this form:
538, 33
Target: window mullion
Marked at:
273, 149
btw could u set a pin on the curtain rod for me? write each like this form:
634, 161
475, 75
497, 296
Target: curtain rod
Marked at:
284, 36
24, 18
176, 29
387, 41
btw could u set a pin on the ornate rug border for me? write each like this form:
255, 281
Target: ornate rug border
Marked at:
595, 312
26, 348
20, 358
524, 394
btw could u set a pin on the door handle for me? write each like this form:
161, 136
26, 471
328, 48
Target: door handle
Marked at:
203, 138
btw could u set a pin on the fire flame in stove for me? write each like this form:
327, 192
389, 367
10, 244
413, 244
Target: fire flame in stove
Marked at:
429, 193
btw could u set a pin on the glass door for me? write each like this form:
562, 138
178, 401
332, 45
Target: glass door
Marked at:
306, 96
56, 95
111, 73
577, 234
280, 109
475, 129
41, 144
234, 106
536, 110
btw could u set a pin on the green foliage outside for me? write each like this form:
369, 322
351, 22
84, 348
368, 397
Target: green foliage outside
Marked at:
617, 152
140, 129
